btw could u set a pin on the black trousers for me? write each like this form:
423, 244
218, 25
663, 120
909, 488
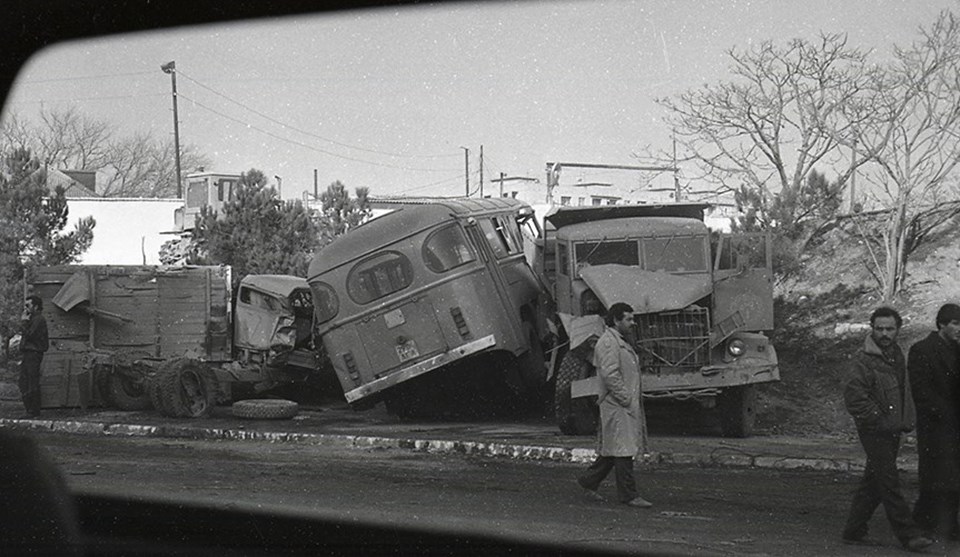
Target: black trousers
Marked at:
936, 511
623, 472
880, 485
30, 382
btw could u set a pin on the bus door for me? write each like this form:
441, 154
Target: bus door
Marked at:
483, 235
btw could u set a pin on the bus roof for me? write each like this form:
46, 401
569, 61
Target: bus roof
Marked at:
411, 215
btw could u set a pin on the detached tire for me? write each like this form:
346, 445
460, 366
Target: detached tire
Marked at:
575, 416
738, 411
127, 393
265, 409
186, 389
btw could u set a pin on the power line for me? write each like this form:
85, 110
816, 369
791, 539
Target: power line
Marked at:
304, 145
81, 77
311, 134
111, 98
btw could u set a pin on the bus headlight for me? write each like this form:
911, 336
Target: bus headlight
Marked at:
736, 348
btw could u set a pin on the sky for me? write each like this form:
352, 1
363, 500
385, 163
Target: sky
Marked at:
396, 99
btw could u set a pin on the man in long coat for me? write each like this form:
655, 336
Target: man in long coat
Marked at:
934, 369
623, 427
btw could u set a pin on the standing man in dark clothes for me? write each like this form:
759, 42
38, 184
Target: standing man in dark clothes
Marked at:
934, 369
877, 395
33, 343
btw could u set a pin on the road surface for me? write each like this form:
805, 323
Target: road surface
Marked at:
696, 511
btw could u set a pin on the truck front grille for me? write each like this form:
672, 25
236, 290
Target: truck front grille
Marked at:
674, 339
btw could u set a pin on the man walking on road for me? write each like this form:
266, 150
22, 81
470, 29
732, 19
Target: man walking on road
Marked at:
877, 395
33, 343
934, 370
623, 427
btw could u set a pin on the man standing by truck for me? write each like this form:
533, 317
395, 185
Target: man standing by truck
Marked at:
33, 343
877, 395
623, 427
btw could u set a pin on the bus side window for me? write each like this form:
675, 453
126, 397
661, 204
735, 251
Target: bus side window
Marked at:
379, 276
446, 248
495, 238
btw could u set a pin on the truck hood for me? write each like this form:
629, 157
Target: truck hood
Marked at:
645, 291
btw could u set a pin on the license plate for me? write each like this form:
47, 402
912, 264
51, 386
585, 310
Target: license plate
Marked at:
407, 351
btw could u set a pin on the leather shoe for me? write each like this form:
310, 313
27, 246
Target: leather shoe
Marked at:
918, 543
592, 495
639, 502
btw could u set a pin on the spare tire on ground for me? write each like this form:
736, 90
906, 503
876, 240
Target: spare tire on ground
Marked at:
265, 409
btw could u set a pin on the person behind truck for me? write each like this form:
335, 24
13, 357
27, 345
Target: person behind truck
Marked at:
623, 427
933, 366
33, 343
877, 394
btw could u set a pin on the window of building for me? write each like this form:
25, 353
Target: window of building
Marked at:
596, 201
564, 199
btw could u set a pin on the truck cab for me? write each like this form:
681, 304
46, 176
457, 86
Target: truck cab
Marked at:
701, 302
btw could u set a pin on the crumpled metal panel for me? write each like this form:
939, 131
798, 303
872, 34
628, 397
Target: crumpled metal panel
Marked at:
261, 330
645, 291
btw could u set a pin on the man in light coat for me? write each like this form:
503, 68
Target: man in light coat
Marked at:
623, 428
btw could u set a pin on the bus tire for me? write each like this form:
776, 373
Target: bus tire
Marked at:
187, 389
574, 416
738, 410
265, 409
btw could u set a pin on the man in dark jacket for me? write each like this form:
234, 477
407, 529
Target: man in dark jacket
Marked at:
33, 343
877, 395
934, 369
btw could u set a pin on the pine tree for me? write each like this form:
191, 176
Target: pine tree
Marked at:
32, 220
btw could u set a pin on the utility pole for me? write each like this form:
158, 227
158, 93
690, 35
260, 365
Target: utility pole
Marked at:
466, 169
171, 68
676, 177
502, 176
481, 172
853, 178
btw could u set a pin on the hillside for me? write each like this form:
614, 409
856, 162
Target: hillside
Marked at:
821, 317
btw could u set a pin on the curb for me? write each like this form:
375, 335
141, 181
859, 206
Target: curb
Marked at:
718, 458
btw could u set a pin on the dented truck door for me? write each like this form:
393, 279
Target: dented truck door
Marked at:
743, 279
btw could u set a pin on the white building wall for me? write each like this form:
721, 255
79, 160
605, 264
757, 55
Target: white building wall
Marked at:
128, 231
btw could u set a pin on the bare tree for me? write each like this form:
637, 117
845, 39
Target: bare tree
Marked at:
909, 130
762, 133
69, 139
134, 166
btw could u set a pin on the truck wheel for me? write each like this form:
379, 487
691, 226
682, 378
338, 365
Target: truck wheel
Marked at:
738, 410
265, 409
187, 389
127, 393
574, 416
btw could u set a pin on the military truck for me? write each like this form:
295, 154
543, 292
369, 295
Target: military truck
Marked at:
702, 301
173, 338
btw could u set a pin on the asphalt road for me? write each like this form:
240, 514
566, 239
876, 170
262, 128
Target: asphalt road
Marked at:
696, 511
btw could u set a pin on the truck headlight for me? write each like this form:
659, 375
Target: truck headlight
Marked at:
736, 347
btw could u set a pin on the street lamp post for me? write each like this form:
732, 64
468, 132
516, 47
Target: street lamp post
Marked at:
171, 68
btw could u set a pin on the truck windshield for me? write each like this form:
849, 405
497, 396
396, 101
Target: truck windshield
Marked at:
674, 254
623, 252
